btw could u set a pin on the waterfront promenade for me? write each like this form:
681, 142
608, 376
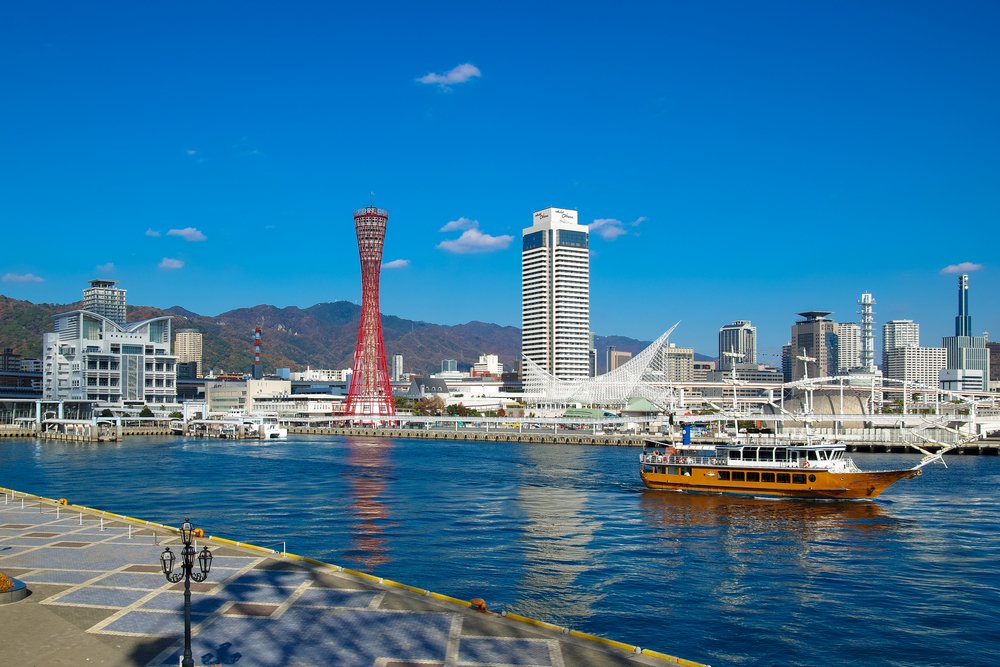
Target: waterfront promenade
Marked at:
99, 598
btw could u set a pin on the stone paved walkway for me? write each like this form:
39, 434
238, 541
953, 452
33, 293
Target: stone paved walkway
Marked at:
99, 598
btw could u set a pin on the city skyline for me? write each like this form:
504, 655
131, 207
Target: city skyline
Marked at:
216, 165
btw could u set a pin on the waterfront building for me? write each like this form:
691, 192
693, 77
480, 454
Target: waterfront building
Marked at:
617, 358
739, 337
700, 370
994, 349
103, 298
188, 350
224, 397
397, 367
848, 347
555, 293
592, 357
898, 333
10, 361
340, 375
965, 351
488, 364
678, 363
921, 365
956, 379
814, 336
786, 362
90, 357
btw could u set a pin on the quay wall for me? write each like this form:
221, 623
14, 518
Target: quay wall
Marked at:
982, 447
157, 530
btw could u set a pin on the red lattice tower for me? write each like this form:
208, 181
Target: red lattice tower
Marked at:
370, 393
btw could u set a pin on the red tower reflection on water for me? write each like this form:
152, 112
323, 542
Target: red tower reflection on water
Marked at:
370, 393
368, 460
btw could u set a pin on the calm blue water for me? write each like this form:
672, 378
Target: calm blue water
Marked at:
568, 534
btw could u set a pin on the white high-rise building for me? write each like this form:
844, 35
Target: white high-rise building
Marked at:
916, 364
397, 367
91, 358
103, 298
739, 337
848, 347
898, 333
555, 293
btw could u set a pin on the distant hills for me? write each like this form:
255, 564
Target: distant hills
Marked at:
320, 336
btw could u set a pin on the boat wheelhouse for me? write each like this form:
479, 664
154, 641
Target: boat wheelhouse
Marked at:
782, 470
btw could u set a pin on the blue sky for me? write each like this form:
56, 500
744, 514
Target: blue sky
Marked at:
743, 160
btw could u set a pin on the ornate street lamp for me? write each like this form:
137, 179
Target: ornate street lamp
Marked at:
186, 573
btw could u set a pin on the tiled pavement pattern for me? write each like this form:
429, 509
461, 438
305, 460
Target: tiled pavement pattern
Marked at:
251, 611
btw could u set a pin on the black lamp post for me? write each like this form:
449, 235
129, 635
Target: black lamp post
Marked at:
186, 573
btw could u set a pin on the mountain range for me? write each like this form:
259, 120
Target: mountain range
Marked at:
320, 336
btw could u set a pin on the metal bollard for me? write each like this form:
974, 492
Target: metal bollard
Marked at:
130, 531
102, 524
81, 518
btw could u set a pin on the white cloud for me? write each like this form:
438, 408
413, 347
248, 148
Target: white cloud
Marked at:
22, 278
188, 234
152, 232
611, 228
458, 74
169, 263
396, 264
461, 223
608, 228
106, 268
475, 241
962, 267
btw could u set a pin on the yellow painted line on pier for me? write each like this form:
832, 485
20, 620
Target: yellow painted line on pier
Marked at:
448, 598
535, 622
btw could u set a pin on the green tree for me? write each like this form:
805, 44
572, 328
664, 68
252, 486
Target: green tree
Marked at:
106, 412
176, 415
146, 412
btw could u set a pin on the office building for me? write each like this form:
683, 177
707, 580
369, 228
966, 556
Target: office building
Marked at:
617, 358
555, 293
848, 347
921, 365
188, 350
90, 357
397, 367
965, 351
103, 298
898, 333
740, 338
815, 336
449, 365
678, 363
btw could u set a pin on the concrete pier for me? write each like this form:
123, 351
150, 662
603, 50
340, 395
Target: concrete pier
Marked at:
98, 597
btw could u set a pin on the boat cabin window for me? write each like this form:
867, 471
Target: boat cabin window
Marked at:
798, 479
766, 455
735, 454
784, 478
738, 476
753, 476
767, 477
724, 475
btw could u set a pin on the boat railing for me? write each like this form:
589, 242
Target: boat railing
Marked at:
675, 459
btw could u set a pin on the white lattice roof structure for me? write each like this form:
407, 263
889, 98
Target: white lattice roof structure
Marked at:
642, 375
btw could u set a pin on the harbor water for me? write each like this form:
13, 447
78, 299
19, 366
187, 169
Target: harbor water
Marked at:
569, 535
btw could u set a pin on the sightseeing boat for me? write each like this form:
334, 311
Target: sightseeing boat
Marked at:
782, 470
